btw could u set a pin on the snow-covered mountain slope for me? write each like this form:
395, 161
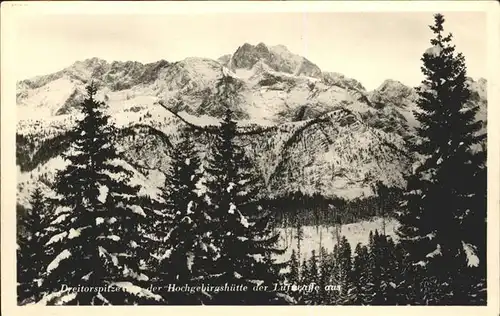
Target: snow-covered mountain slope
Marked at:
393, 96
321, 132
334, 154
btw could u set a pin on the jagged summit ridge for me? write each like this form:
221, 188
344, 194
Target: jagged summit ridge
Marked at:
117, 75
267, 83
278, 58
393, 93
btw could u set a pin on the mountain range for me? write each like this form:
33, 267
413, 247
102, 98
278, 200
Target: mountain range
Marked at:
307, 129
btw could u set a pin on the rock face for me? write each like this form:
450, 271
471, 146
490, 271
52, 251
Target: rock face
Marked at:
394, 96
321, 132
277, 58
393, 93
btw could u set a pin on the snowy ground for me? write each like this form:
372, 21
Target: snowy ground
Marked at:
323, 236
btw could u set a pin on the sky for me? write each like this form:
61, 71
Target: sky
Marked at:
369, 47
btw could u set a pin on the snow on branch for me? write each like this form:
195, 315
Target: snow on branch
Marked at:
104, 253
137, 209
127, 272
102, 298
470, 252
57, 298
436, 252
56, 238
65, 254
60, 219
243, 220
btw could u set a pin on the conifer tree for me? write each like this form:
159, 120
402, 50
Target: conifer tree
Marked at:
379, 260
241, 227
336, 274
294, 275
97, 227
345, 267
304, 279
387, 271
358, 289
184, 226
370, 240
442, 194
382, 198
326, 265
313, 267
409, 279
310, 276
373, 269
300, 237
304, 271
31, 253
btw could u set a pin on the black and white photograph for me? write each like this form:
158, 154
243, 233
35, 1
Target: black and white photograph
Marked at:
251, 158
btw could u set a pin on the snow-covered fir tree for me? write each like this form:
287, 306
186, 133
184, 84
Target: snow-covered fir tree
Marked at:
97, 226
400, 274
312, 277
443, 193
383, 273
335, 268
241, 227
187, 248
30, 252
304, 271
325, 274
299, 237
306, 278
294, 274
344, 261
389, 272
358, 293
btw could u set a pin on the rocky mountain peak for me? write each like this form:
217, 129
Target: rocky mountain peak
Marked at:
391, 84
90, 62
478, 86
393, 93
248, 55
278, 58
261, 47
338, 79
224, 59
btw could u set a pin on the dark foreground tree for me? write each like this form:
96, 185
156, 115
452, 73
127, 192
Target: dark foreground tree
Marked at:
443, 194
30, 252
187, 247
241, 227
358, 293
294, 274
97, 228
